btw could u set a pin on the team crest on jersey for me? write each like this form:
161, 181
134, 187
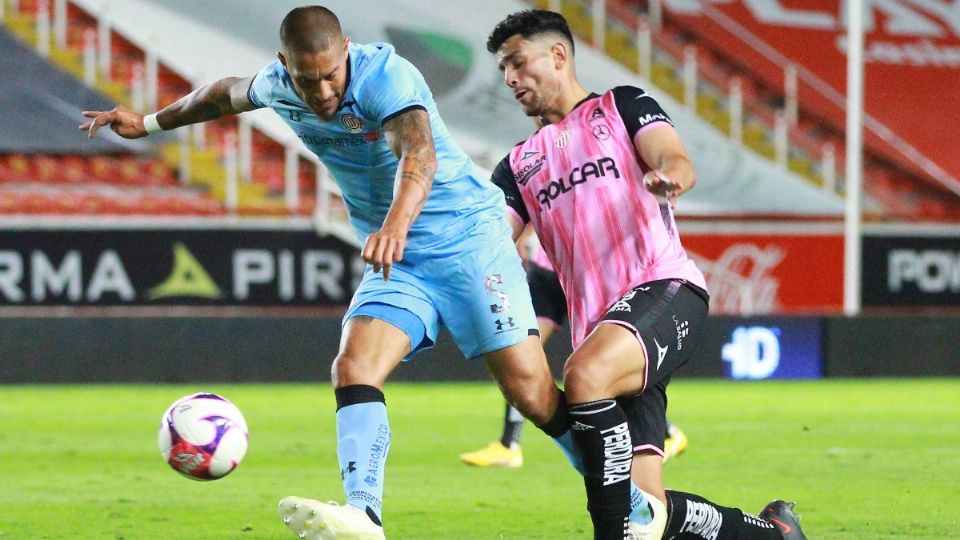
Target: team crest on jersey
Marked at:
562, 139
351, 123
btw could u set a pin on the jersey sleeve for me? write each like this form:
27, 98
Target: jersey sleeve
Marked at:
391, 87
502, 177
638, 109
261, 91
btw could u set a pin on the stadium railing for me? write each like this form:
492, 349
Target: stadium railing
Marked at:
240, 168
767, 119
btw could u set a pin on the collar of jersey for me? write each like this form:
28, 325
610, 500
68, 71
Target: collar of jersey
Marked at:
344, 102
579, 103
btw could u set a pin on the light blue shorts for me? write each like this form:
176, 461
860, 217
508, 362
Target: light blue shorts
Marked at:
475, 286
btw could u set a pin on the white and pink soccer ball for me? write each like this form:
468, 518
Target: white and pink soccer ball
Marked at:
203, 436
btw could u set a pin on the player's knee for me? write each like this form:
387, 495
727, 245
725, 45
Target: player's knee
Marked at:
349, 369
585, 380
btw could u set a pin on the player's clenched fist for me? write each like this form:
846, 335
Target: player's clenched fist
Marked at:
126, 123
382, 249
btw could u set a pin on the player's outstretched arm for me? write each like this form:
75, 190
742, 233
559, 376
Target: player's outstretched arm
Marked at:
224, 97
411, 139
672, 171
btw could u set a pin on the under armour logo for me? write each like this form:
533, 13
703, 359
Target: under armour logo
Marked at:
348, 469
509, 323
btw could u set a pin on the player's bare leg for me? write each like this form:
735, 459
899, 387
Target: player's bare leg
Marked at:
507, 452
524, 377
370, 349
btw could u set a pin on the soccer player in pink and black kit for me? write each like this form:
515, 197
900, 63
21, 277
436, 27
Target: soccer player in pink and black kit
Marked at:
550, 306
598, 182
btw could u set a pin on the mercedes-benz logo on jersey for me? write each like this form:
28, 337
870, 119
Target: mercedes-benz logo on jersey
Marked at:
601, 132
351, 123
562, 139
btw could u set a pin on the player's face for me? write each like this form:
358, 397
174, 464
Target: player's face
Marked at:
530, 72
319, 77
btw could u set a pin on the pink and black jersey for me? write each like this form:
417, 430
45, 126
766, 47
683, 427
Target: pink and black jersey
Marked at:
580, 183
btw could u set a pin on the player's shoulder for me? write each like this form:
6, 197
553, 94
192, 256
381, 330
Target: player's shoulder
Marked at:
638, 108
271, 82
626, 92
378, 60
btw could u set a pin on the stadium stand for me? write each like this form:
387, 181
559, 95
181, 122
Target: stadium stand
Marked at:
58, 171
51, 171
898, 189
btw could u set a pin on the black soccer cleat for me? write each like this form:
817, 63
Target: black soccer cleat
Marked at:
781, 514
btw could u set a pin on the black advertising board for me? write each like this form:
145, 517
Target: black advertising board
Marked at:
901, 270
176, 267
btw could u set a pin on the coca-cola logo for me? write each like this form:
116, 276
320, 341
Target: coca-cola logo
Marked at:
741, 280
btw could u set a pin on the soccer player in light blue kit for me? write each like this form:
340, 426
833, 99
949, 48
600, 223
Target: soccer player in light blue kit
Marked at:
435, 236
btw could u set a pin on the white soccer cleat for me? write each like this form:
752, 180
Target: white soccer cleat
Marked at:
653, 530
315, 520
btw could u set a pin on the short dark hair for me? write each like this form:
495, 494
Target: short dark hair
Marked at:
528, 23
309, 29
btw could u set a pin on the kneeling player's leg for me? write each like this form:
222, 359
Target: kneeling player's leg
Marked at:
693, 517
520, 374
646, 415
609, 363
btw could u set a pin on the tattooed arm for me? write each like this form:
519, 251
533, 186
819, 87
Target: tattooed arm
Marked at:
224, 97
411, 140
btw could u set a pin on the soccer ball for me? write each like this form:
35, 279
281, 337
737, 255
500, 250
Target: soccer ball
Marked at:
203, 436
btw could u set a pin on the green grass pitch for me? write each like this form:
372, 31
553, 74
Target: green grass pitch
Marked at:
865, 459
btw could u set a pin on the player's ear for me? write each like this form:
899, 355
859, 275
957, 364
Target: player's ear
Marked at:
282, 59
560, 54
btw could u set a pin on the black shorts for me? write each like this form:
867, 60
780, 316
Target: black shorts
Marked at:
549, 301
668, 317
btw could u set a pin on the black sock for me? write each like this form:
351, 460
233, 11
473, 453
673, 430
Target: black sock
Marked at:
559, 423
357, 393
692, 517
512, 427
601, 434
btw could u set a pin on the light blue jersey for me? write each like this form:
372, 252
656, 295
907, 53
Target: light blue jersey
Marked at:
380, 85
460, 267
